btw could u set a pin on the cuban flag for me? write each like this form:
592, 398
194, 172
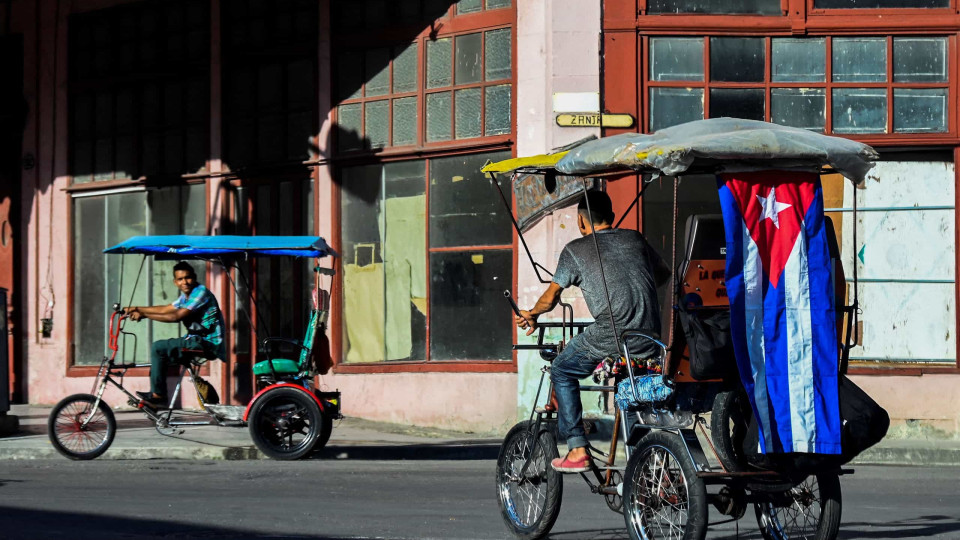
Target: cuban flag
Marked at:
782, 316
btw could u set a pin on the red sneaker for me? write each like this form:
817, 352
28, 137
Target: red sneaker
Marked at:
565, 465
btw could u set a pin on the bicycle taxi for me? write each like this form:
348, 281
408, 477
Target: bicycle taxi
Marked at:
662, 490
287, 418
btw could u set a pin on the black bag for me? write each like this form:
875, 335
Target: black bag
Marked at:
865, 423
711, 348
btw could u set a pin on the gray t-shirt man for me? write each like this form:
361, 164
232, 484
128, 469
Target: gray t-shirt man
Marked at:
629, 265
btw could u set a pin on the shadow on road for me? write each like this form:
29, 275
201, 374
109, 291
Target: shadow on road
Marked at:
441, 451
920, 527
20, 524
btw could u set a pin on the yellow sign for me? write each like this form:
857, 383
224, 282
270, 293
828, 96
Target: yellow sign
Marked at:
595, 120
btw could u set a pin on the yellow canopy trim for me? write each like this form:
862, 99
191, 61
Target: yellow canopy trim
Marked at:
542, 161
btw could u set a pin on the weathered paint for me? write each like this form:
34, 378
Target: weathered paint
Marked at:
477, 402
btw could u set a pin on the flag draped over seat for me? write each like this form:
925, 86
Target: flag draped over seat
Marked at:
782, 316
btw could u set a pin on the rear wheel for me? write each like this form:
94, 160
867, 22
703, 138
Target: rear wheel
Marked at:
77, 430
285, 423
529, 493
809, 511
662, 497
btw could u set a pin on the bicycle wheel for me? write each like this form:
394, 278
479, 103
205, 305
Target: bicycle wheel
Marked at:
285, 423
809, 511
529, 498
663, 498
728, 427
326, 429
78, 431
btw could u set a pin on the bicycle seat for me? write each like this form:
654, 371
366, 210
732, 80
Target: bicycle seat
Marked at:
197, 356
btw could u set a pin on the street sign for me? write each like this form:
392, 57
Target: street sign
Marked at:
594, 120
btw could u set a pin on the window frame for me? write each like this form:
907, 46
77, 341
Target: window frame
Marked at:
338, 351
453, 25
890, 136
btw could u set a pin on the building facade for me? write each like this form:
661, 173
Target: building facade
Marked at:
367, 122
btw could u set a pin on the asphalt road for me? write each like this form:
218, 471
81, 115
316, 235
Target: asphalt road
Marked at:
327, 499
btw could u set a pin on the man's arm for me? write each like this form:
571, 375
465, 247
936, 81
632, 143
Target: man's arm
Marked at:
164, 313
547, 301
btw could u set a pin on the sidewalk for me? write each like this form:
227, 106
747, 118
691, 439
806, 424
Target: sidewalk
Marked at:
354, 438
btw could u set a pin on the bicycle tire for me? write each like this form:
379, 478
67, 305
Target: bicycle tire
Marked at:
69, 435
285, 423
786, 517
661, 483
728, 426
546, 483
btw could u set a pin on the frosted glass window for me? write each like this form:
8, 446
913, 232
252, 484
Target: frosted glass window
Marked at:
438, 116
798, 107
349, 126
404, 121
405, 70
799, 60
672, 106
439, 64
376, 121
377, 72
497, 120
737, 103
753, 7
919, 59
467, 103
918, 110
497, 54
737, 59
497, 4
859, 59
676, 59
468, 58
859, 110
469, 6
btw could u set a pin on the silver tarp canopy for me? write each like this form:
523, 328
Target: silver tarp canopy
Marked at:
720, 145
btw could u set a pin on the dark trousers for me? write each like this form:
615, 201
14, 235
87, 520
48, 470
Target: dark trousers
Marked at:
168, 352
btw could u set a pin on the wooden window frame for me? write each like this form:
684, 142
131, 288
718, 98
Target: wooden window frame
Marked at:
453, 25
828, 85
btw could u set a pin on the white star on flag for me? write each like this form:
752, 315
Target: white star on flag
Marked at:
772, 208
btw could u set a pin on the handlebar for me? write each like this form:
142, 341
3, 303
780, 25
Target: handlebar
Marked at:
509, 297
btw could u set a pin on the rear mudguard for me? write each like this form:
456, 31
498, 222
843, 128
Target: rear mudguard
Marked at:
261, 393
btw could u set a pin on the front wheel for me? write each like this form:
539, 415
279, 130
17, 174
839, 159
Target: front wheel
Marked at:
77, 430
809, 511
663, 498
285, 423
529, 489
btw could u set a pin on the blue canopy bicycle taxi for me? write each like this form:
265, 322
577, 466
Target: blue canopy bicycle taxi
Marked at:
287, 417
716, 357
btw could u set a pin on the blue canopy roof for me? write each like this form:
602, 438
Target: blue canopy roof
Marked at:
214, 247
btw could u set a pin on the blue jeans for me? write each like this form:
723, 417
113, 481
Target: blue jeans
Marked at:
571, 365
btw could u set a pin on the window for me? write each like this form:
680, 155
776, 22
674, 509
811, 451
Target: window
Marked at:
905, 255
139, 91
785, 81
755, 7
103, 221
434, 88
270, 74
396, 280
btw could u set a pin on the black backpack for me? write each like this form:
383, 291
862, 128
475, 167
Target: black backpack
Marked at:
707, 332
865, 423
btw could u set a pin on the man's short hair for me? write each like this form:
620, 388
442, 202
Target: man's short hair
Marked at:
184, 266
600, 207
